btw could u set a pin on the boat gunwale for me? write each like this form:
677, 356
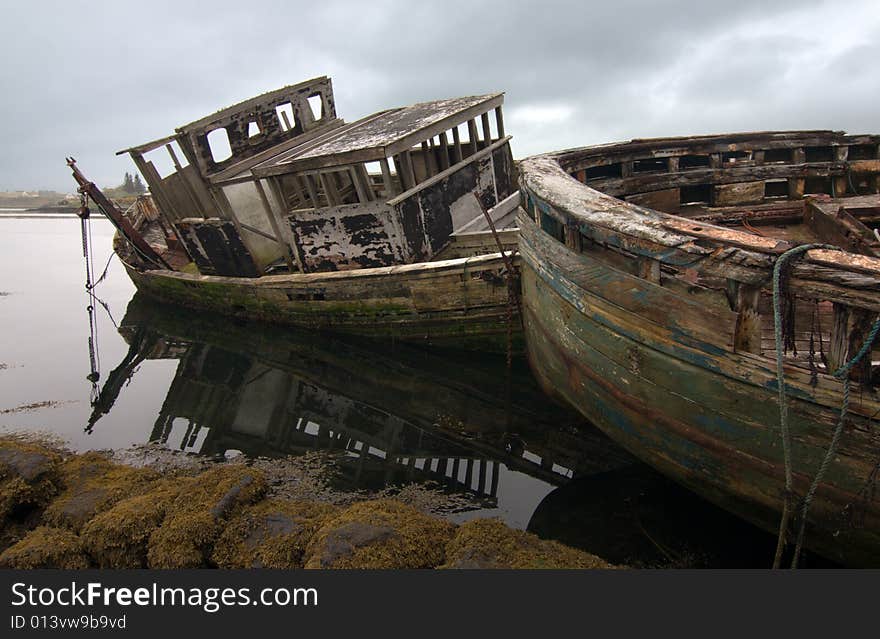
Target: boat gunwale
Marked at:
544, 180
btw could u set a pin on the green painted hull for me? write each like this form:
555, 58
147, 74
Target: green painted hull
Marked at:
462, 301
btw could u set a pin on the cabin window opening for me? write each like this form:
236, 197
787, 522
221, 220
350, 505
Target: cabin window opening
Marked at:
777, 156
285, 116
696, 194
776, 189
693, 162
392, 165
817, 185
603, 171
218, 142
862, 152
553, 227
161, 161
253, 129
819, 154
649, 165
373, 168
177, 153
732, 157
316, 105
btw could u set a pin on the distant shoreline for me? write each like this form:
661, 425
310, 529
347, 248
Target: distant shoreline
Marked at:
41, 211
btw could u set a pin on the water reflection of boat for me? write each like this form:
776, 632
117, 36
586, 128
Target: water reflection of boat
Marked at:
398, 413
635, 516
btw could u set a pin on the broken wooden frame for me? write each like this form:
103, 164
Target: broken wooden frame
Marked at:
596, 201
206, 189
390, 188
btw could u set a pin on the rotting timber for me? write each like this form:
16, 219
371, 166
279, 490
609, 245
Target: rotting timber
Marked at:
276, 209
647, 305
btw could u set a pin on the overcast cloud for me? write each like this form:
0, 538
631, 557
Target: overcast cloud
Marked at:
87, 79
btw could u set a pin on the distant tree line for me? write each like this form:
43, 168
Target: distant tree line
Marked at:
132, 184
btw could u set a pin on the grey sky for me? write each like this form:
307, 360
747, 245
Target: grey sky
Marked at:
87, 79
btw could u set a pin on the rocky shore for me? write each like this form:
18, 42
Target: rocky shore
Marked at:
148, 509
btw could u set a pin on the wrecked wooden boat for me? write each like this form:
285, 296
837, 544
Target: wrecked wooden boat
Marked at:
648, 304
276, 209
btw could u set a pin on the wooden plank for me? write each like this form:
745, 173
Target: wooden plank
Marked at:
390, 187
649, 269
452, 169
275, 223
275, 185
407, 167
665, 200
456, 140
472, 134
191, 194
444, 152
499, 121
430, 159
747, 333
487, 131
739, 193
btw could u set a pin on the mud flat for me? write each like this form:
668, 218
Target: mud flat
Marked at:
150, 507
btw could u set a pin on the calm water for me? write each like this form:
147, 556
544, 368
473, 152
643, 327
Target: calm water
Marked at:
393, 413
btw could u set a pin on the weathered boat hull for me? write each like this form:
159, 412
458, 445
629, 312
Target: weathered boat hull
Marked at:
704, 415
459, 301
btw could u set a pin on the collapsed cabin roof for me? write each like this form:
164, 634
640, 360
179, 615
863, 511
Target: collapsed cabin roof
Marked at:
382, 134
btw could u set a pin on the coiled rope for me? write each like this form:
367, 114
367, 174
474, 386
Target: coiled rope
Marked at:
842, 373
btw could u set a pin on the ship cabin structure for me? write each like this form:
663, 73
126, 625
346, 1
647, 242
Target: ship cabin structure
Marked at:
279, 183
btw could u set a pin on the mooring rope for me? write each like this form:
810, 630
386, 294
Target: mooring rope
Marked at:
842, 373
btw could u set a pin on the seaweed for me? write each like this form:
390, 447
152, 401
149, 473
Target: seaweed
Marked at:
381, 533
93, 484
46, 547
489, 543
198, 515
119, 536
29, 477
271, 534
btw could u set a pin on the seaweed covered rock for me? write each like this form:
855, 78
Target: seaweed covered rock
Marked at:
379, 534
488, 543
93, 484
46, 547
119, 536
271, 534
197, 516
28, 477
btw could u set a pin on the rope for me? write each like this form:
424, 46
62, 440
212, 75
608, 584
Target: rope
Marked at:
842, 373
780, 382
104, 273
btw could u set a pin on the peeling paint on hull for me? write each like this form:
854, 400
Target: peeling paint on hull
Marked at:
462, 301
701, 415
